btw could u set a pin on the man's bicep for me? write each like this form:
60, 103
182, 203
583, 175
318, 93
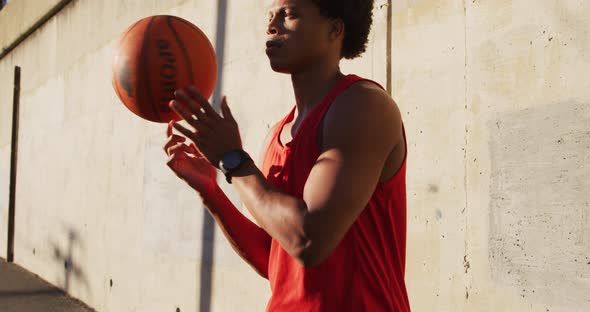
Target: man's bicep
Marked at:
355, 148
343, 179
339, 187
337, 190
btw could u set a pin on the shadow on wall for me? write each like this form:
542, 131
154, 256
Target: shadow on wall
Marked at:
208, 232
539, 205
28, 293
64, 257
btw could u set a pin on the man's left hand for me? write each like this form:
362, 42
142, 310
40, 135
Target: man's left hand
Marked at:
213, 134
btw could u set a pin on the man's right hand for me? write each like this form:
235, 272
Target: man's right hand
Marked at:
188, 163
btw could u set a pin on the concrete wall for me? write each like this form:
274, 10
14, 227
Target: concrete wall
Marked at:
494, 97
21, 16
529, 152
98, 212
428, 68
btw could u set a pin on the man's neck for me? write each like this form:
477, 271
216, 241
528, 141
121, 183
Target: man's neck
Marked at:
312, 86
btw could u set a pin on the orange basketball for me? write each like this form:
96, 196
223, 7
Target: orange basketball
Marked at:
156, 56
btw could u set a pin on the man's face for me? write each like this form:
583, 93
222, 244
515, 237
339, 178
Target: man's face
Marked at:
297, 35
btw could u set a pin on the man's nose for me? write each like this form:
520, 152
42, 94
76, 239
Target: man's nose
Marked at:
271, 28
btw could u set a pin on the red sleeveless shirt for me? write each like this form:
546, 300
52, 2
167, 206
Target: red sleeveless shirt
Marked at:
366, 270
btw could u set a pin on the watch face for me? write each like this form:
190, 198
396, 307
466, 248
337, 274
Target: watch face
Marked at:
232, 160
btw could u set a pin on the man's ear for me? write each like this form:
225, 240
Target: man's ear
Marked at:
336, 28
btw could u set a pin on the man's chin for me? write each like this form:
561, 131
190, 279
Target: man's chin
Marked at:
280, 68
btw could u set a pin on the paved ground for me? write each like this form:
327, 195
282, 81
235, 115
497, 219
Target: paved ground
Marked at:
22, 291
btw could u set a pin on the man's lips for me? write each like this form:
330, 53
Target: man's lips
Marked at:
273, 44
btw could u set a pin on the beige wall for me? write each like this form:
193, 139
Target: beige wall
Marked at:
428, 68
20, 16
494, 97
94, 193
529, 151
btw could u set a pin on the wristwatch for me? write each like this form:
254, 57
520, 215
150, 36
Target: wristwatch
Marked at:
232, 161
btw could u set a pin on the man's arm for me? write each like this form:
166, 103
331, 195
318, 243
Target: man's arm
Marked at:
361, 129
250, 241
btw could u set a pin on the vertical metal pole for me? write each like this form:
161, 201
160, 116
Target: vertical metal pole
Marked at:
388, 86
13, 160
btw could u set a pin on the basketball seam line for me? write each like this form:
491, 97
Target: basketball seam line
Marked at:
200, 32
144, 62
183, 49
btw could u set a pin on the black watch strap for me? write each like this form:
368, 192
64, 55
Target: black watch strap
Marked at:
228, 172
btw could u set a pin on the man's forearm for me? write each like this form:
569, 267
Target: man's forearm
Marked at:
250, 241
279, 214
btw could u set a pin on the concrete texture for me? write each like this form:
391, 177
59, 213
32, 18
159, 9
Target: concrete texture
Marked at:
428, 68
98, 212
22, 291
527, 155
542, 250
22, 17
494, 98
496, 107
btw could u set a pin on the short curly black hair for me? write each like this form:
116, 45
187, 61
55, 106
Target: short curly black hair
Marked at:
357, 16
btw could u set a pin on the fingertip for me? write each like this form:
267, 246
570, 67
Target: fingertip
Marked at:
174, 105
170, 127
179, 93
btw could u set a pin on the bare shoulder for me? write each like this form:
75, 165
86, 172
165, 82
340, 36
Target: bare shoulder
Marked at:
365, 99
366, 109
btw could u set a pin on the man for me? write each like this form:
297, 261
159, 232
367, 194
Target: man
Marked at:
329, 198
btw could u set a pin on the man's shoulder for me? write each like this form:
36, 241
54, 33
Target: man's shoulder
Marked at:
366, 89
363, 101
363, 113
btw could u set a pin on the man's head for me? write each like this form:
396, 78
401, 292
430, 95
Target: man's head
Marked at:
302, 33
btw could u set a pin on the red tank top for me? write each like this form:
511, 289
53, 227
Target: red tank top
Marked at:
366, 270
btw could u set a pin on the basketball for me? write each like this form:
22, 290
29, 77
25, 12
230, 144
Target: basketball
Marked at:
156, 56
